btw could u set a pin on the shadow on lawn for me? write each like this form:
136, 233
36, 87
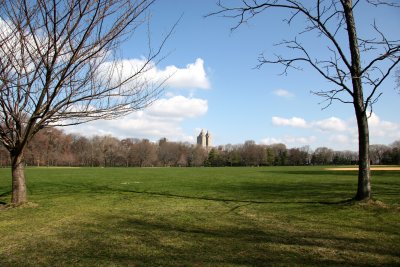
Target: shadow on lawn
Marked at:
314, 172
342, 202
242, 192
353, 173
7, 193
148, 240
265, 191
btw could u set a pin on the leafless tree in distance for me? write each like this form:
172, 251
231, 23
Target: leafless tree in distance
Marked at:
355, 66
59, 66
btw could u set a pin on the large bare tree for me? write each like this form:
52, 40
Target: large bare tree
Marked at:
59, 67
356, 66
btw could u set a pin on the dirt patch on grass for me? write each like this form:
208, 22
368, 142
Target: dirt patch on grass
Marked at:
373, 168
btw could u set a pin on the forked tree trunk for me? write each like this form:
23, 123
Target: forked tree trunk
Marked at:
18, 178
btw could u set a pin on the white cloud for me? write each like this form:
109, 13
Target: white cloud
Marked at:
193, 76
340, 138
379, 128
283, 93
293, 122
331, 124
290, 140
179, 107
162, 119
165, 116
335, 132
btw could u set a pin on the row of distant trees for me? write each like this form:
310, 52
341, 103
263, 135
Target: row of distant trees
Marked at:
52, 147
251, 154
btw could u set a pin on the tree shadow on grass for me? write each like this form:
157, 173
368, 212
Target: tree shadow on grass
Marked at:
165, 194
326, 193
314, 172
256, 192
5, 194
147, 240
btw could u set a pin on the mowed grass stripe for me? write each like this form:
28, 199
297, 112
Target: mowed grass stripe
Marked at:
200, 216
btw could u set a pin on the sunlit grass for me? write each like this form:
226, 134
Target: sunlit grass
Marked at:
200, 216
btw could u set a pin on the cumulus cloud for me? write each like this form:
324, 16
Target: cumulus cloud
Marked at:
331, 124
335, 131
340, 138
283, 93
162, 119
179, 107
380, 128
293, 122
290, 140
193, 76
165, 116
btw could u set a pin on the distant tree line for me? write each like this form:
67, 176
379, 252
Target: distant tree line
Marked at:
52, 147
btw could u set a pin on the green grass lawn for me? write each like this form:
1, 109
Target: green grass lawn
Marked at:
281, 216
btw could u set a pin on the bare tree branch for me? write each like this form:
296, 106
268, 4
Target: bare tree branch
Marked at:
58, 65
357, 67
328, 20
384, 3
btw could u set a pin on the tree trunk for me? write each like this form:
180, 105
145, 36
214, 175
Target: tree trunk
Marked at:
364, 179
18, 178
364, 176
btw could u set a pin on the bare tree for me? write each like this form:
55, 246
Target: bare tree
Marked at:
297, 156
355, 66
145, 153
278, 154
81, 149
198, 156
322, 156
253, 154
377, 151
59, 67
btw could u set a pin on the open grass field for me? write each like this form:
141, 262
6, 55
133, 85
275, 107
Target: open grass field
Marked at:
280, 216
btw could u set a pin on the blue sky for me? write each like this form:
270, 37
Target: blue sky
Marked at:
215, 86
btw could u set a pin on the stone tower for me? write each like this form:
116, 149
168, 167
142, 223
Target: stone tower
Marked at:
204, 140
208, 140
201, 139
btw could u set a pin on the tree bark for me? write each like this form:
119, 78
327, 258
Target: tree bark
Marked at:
364, 177
19, 195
